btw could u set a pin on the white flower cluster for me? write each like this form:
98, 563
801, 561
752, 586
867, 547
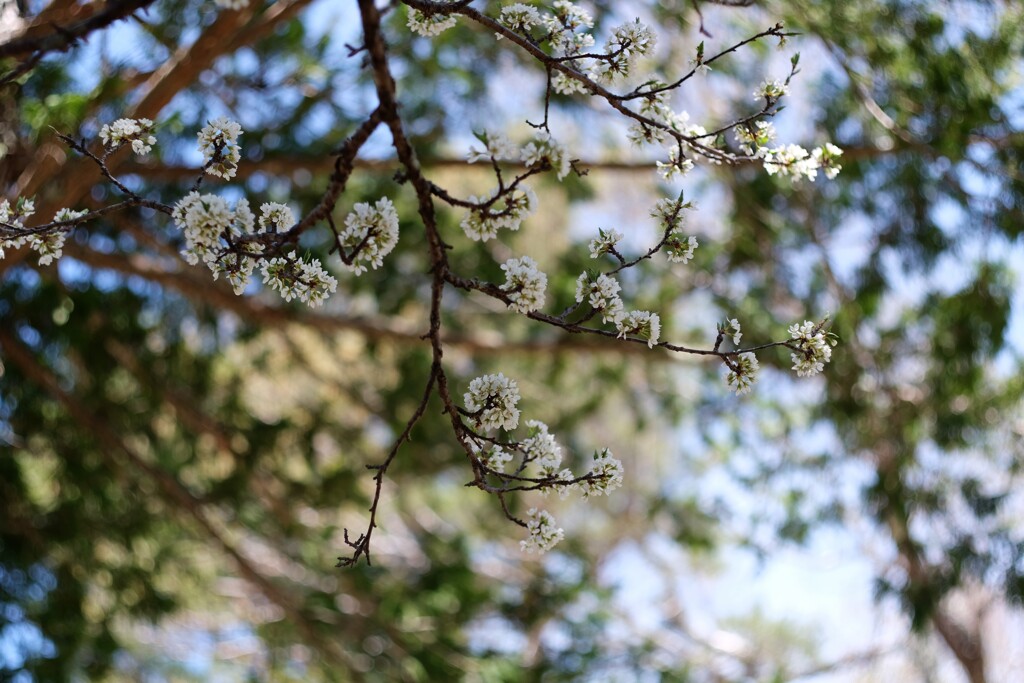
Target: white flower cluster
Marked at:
519, 17
566, 28
275, 218
12, 221
602, 294
797, 162
218, 142
497, 147
137, 131
564, 84
306, 281
626, 43
540, 447
209, 224
814, 348
482, 224
642, 324
525, 283
604, 243
371, 232
771, 90
544, 535
494, 458
677, 164
606, 471
679, 248
50, 245
544, 148
429, 25
753, 139
733, 329
742, 373
492, 401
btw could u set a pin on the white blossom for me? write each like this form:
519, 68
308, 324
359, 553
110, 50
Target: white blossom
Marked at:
604, 243
496, 457
218, 142
540, 447
492, 400
371, 232
607, 475
742, 376
497, 146
50, 245
677, 165
12, 221
139, 132
755, 140
602, 294
813, 348
525, 283
625, 44
544, 148
544, 535
643, 324
482, 224
294, 278
771, 90
275, 218
429, 26
732, 328
827, 157
566, 85
680, 248
519, 17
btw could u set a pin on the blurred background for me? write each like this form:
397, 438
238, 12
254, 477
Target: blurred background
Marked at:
177, 464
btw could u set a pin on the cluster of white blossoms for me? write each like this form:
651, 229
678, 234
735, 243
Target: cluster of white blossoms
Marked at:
491, 401
754, 138
771, 89
209, 224
50, 245
742, 373
497, 147
604, 243
540, 447
678, 247
797, 162
495, 457
12, 221
732, 328
525, 283
544, 535
545, 149
814, 348
607, 472
218, 141
276, 218
626, 43
602, 294
642, 324
566, 28
139, 132
429, 25
508, 212
371, 233
294, 278
519, 17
